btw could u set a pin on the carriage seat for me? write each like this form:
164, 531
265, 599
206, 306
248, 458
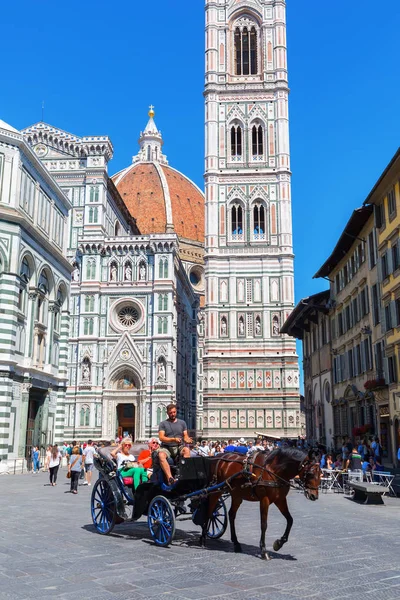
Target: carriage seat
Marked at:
108, 462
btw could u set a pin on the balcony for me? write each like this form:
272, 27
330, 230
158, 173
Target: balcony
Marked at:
377, 382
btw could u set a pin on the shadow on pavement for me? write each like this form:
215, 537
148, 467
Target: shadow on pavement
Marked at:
139, 531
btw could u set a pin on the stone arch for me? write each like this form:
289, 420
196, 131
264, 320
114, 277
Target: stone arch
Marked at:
47, 272
124, 377
31, 262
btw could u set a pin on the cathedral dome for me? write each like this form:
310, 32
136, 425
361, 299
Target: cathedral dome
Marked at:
160, 198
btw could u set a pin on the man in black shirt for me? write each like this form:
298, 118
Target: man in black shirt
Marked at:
173, 436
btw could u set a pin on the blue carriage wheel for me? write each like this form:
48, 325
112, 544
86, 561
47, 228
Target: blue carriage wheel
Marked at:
218, 521
104, 510
161, 521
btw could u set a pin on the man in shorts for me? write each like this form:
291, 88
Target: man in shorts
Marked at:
88, 455
173, 436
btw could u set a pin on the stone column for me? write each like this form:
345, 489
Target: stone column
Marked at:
45, 417
23, 418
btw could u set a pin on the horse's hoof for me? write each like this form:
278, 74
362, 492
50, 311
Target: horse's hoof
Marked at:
202, 543
265, 556
238, 548
277, 545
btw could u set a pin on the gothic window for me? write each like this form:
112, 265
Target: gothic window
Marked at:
148, 153
257, 142
162, 325
163, 302
91, 269
236, 142
89, 303
245, 41
94, 194
25, 275
259, 231
43, 287
237, 222
85, 416
88, 326
249, 323
117, 229
93, 215
163, 268
25, 272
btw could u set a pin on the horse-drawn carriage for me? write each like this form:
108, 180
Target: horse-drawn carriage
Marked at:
200, 493
114, 501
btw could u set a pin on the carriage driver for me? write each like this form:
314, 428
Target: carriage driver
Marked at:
173, 436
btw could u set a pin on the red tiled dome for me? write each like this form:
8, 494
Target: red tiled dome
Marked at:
152, 191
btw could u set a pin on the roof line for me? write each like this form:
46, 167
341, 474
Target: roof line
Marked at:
381, 178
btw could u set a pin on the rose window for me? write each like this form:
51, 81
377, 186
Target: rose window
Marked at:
128, 316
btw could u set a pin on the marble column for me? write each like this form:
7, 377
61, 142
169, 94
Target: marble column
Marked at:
23, 418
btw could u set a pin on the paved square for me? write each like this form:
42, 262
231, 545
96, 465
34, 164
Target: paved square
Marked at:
49, 549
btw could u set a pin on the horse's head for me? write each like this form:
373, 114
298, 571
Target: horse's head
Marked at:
310, 477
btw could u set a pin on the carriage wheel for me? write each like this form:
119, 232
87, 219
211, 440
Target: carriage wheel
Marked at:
104, 510
161, 521
218, 521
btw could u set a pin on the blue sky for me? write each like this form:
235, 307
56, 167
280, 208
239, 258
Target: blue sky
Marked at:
98, 68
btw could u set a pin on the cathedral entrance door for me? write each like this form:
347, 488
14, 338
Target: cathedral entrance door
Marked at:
126, 420
35, 436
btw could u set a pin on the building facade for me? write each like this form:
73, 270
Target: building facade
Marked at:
135, 294
34, 300
359, 378
310, 322
251, 370
385, 199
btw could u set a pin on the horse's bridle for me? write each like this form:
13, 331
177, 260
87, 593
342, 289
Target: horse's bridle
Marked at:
304, 472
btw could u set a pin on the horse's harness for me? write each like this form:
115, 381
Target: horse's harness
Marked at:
254, 481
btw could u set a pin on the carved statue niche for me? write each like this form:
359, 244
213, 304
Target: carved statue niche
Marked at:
86, 371
161, 370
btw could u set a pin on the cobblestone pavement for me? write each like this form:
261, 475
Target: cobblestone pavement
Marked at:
49, 549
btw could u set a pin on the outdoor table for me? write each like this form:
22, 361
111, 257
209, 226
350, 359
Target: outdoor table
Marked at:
384, 479
334, 483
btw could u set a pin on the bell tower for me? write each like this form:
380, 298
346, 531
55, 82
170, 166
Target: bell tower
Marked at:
251, 371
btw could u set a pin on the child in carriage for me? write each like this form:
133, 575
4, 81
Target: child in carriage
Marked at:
127, 464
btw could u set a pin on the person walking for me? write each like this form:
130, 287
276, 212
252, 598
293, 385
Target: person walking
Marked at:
54, 464
35, 460
74, 467
398, 457
47, 458
88, 455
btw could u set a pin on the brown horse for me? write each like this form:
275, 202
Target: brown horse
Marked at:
264, 478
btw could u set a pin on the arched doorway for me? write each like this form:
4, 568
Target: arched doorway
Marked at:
126, 420
126, 387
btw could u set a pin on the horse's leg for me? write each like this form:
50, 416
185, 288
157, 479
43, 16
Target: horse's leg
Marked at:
236, 502
264, 506
283, 507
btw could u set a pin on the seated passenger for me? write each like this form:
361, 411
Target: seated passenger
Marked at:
160, 458
126, 462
